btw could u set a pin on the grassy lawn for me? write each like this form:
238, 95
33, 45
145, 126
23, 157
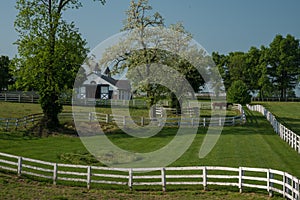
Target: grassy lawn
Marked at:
17, 188
251, 145
15, 110
288, 113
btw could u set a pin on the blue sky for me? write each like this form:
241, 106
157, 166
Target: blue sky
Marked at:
218, 25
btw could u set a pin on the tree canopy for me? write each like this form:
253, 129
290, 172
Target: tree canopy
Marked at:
5, 76
50, 52
238, 92
150, 43
271, 71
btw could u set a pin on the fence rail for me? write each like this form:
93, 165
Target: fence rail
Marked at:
290, 99
19, 97
24, 122
242, 177
29, 97
286, 134
17, 123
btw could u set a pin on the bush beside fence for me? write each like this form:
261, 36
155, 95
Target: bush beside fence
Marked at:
242, 177
286, 134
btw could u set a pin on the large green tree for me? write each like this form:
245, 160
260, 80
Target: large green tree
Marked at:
5, 76
283, 59
153, 46
50, 52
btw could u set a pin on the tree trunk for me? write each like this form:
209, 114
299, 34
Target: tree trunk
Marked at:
175, 103
51, 108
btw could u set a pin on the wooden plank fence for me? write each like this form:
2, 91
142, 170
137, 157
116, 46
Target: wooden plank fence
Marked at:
292, 138
24, 122
269, 180
23, 97
276, 99
19, 97
17, 123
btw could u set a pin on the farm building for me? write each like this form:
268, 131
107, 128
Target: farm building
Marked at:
103, 86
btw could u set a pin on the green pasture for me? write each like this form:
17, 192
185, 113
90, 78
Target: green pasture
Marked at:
13, 187
253, 144
16, 110
288, 113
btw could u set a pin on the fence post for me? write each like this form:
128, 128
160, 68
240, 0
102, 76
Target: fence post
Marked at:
54, 173
19, 98
107, 118
20, 166
90, 116
283, 184
130, 179
270, 176
163, 179
25, 121
32, 119
204, 178
241, 174
124, 120
7, 122
204, 122
88, 178
5, 97
233, 121
298, 188
142, 121
298, 145
220, 121
17, 124
294, 187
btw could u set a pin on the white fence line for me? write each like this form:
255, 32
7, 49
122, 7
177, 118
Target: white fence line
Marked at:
286, 134
27, 97
23, 122
19, 97
242, 177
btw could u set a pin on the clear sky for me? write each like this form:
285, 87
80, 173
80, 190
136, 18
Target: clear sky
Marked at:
218, 25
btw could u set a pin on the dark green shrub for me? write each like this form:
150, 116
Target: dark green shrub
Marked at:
238, 93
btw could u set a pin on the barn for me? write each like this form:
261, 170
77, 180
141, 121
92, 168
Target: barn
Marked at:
104, 86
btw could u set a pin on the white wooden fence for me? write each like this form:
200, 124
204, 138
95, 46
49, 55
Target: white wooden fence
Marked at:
19, 97
286, 134
242, 177
29, 97
23, 122
16, 123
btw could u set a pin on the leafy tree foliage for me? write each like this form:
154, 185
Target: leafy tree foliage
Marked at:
5, 76
283, 57
238, 92
50, 52
272, 71
154, 47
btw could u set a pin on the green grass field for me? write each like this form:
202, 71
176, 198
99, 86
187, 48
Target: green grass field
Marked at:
288, 113
13, 187
251, 145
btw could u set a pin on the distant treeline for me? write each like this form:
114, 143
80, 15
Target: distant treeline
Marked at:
271, 71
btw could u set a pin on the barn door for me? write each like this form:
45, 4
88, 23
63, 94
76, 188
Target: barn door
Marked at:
104, 92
